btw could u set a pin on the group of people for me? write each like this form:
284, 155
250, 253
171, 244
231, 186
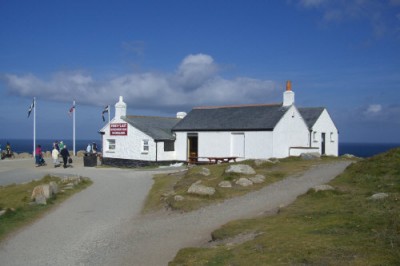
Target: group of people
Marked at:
7, 153
58, 149
91, 148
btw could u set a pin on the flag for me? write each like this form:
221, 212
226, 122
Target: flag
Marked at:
31, 107
72, 109
104, 111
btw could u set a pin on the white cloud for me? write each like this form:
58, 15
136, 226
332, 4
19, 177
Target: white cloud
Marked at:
373, 109
377, 13
195, 82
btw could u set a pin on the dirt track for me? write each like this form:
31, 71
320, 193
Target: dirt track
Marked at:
103, 226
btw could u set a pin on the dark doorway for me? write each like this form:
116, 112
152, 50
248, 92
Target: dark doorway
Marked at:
323, 144
192, 147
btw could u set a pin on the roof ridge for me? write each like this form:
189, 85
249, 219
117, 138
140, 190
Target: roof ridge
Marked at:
236, 106
147, 116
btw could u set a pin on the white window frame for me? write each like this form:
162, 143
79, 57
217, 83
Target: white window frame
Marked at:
332, 137
145, 146
315, 136
111, 145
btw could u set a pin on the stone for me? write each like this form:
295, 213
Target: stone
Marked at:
40, 199
205, 171
379, 196
24, 155
310, 156
41, 190
240, 169
258, 179
53, 188
178, 198
349, 156
225, 184
2, 212
244, 182
198, 189
323, 188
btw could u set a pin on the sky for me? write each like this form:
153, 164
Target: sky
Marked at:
164, 57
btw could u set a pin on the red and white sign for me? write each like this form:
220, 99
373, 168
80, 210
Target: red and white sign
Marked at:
119, 129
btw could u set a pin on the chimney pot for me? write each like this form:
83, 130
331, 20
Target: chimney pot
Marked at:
288, 85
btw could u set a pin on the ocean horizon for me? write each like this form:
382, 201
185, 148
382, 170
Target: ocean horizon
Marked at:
363, 150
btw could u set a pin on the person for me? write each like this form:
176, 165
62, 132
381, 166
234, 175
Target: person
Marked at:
8, 149
55, 145
94, 148
88, 149
38, 155
61, 145
54, 155
65, 155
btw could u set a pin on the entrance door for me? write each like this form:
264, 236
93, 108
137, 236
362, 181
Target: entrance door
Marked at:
323, 144
192, 147
237, 145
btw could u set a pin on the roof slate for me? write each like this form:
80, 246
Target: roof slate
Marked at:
159, 128
254, 117
311, 115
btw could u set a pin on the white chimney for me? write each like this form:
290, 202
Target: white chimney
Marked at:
120, 108
288, 95
180, 115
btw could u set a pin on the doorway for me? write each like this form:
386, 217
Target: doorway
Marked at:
323, 143
193, 153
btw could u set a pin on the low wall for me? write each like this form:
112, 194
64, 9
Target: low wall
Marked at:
115, 162
297, 151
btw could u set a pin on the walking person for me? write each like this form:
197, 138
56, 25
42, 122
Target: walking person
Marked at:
38, 155
65, 155
54, 155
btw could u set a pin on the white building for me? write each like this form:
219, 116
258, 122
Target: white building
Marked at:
245, 131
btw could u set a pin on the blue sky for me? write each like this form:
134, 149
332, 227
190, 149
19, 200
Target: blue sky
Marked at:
169, 56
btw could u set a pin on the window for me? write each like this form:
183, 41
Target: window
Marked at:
145, 146
315, 136
332, 137
111, 144
169, 145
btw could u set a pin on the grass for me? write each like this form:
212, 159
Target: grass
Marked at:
15, 199
166, 187
340, 227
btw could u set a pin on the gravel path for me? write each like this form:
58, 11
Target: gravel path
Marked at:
103, 226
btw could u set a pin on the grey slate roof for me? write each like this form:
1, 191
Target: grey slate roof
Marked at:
159, 128
232, 118
311, 115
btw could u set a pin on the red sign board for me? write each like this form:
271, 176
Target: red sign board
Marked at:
119, 129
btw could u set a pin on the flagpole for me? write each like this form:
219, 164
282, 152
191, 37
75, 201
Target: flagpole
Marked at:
34, 126
73, 127
109, 114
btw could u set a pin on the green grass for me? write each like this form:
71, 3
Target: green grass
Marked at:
340, 227
16, 199
167, 186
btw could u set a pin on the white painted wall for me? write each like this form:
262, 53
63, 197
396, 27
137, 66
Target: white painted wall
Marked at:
181, 148
325, 125
130, 146
164, 155
291, 131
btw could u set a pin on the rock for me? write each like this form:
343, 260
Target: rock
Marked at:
244, 182
53, 188
240, 169
72, 179
25, 155
41, 190
349, 156
178, 198
225, 184
257, 179
323, 188
379, 196
198, 189
2, 212
40, 199
310, 156
205, 171
260, 162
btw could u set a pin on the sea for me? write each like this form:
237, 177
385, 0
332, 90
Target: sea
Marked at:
26, 145
363, 150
